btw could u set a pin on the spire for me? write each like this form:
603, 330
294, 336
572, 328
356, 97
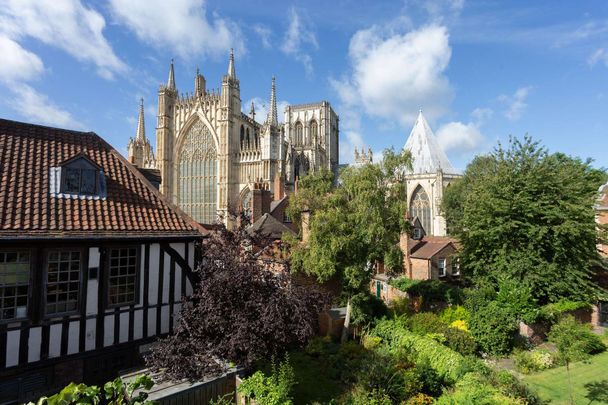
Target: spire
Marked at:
141, 128
171, 81
252, 111
231, 72
428, 155
272, 111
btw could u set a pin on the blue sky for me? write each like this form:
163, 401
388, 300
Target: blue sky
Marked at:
480, 70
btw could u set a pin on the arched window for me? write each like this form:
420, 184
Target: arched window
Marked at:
314, 132
248, 140
242, 136
197, 167
246, 202
299, 133
420, 207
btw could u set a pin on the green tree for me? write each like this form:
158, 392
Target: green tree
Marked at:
352, 225
524, 214
572, 342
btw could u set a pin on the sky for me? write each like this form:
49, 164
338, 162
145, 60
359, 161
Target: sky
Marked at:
481, 71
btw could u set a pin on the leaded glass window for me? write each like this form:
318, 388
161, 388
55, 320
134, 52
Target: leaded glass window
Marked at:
63, 281
314, 131
14, 284
198, 175
122, 280
299, 133
420, 207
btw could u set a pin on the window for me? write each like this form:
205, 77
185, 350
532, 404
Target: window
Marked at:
79, 181
122, 278
63, 281
441, 266
14, 284
314, 131
286, 218
299, 133
417, 233
455, 267
420, 207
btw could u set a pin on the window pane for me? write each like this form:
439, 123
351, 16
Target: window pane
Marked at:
14, 284
123, 276
72, 180
62, 287
87, 181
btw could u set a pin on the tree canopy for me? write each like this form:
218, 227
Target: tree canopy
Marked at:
353, 224
524, 214
239, 312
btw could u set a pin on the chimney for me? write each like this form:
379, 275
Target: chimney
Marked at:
404, 245
279, 191
260, 201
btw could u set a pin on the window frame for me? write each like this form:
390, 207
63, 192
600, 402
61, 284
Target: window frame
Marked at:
64, 175
45, 278
30, 286
107, 266
444, 268
456, 265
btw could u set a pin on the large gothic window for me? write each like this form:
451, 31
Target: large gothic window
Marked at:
299, 133
314, 131
420, 206
198, 175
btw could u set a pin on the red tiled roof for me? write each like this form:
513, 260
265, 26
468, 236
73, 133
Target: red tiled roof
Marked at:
132, 208
429, 246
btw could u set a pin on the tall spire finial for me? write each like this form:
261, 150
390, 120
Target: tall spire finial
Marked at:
272, 111
231, 72
141, 128
171, 81
252, 111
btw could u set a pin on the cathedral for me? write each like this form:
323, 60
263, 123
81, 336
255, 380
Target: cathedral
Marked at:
431, 173
210, 155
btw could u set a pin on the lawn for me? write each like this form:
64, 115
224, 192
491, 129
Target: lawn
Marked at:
553, 384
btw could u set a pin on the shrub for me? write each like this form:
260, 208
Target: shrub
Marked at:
461, 341
366, 309
432, 384
448, 364
527, 362
493, 327
400, 306
426, 322
360, 396
553, 312
387, 375
431, 291
472, 389
460, 324
371, 342
420, 399
403, 283
574, 340
274, 389
317, 346
454, 313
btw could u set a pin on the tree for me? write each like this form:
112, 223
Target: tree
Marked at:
527, 215
571, 341
353, 225
238, 313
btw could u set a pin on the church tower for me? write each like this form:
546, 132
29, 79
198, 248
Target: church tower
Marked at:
432, 172
167, 98
139, 149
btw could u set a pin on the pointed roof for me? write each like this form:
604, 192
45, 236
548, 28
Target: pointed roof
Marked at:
140, 135
231, 72
171, 81
425, 149
272, 118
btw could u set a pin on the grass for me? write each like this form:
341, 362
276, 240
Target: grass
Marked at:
553, 384
316, 379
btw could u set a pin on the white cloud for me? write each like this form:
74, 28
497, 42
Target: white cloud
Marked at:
481, 115
264, 33
37, 107
600, 55
65, 24
180, 25
299, 40
394, 75
349, 140
459, 137
516, 103
18, 63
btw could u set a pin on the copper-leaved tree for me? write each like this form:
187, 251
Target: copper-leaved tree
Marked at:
239, 312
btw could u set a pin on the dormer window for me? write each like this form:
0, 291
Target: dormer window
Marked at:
78, 177
79, 181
